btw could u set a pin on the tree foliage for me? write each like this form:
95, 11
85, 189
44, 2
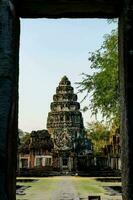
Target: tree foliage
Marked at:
99, 135
103, 83
24, 143
41, 139
36, 140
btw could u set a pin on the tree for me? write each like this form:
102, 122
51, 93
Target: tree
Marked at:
99, 135
41, 139
36, 140
103, 83
24, 143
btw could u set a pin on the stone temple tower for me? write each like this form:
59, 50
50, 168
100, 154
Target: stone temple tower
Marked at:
65, 124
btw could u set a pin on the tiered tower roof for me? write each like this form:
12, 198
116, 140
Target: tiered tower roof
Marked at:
65, 118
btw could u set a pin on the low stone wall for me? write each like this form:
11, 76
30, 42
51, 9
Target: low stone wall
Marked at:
36, 172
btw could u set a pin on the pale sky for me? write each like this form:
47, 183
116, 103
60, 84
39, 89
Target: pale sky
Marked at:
50, 49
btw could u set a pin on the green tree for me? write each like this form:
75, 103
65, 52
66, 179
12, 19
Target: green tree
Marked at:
35, 140
103, 83
99, 135
24, 143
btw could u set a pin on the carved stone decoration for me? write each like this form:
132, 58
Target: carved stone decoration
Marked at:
62, 140
65, 122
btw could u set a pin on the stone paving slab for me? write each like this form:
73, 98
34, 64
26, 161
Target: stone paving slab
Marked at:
65, 190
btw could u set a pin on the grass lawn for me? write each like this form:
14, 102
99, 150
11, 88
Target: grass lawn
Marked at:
85, 186
47, 188
38, 190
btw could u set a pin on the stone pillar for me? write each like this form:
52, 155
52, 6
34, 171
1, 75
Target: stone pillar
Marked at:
32, 159
126, 96
69, 164
60, 163
20, 163
9, 48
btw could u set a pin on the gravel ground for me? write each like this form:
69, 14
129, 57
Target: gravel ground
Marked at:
65, 190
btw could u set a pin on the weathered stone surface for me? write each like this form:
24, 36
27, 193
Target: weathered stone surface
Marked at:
69, 8
65, 120
65, 124
9, 42
126, 89
9, 71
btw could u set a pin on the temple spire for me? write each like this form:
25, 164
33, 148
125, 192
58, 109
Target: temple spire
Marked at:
65, 118
65, 124
64, 81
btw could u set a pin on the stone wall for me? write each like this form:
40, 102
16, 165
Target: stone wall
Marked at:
9, 48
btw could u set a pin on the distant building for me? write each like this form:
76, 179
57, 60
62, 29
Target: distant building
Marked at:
64, 146
35, 151
112, 152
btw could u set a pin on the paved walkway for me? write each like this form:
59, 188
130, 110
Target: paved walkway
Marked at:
65, 190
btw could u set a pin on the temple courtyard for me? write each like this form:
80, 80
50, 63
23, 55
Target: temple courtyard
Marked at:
68, 188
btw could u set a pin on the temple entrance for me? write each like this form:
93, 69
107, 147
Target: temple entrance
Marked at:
10, 11
65, 163
24, 163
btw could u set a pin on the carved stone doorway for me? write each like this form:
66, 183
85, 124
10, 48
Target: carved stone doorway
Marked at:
10, 12
65, 163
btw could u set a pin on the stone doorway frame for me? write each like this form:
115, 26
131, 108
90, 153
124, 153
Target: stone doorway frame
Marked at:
10, 12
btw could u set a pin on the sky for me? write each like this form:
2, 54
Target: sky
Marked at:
50, 49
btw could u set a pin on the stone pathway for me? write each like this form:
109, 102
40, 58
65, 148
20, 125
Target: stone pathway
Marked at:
65, 190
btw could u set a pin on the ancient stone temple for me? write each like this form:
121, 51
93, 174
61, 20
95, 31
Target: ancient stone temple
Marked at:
35, 150
65, 124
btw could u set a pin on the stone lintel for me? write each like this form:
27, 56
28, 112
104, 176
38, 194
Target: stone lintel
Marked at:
68, 8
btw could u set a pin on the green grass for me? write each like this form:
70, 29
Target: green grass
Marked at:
46, 188
43, 188
85, 186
